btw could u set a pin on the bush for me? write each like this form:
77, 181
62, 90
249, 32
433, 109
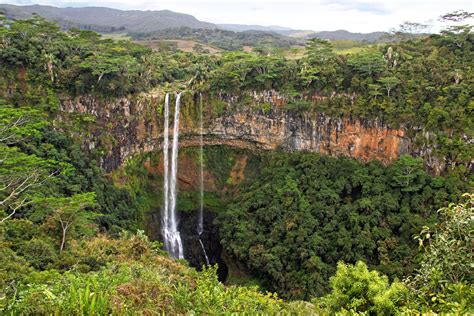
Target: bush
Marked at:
135, 278
210, 297
19, 230
444, 281
12, 268
38, 252
356, 289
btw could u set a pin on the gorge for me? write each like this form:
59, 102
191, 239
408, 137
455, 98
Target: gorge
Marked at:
138, 128
150, 180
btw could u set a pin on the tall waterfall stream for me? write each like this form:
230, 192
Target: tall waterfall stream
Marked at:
171, 236
200, 226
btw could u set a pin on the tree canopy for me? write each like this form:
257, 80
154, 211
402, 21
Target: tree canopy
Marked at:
304, 213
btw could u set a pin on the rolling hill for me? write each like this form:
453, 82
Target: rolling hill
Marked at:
346, 35
334, 35
223, 39
106, 19
245, 27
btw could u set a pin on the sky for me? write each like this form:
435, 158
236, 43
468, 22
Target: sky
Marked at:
317, 15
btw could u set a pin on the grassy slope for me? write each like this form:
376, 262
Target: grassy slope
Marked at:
131, 275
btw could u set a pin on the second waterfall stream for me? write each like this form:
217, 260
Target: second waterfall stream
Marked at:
171, 236
200, 226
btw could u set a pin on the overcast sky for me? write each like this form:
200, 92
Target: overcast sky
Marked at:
318, 15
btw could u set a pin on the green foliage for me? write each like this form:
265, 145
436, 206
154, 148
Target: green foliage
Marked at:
444, 281
81, 62
389, 83
20, 172
218, 107
303, 213
290, 225
355, 289
265, 107
220, 160
40, 253
320, 70
212, 297
246, 71
319, 51
423, 83
134, 277
427, 80
408, 174
115, 206
18, 123
367, 63
89, 296
12, 269
67, 213
48, 184
298, 106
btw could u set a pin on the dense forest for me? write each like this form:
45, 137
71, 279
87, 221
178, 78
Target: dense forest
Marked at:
319, 234
305, 213
227, 40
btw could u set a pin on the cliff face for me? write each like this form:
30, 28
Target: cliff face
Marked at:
129, 126
337, 137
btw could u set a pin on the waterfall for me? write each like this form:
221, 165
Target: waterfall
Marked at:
200, 226
204, 251
165, 211
171, 236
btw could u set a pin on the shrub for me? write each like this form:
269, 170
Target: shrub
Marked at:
39, 253
12, 268
444, 281
356, 289
210, 297
18, 230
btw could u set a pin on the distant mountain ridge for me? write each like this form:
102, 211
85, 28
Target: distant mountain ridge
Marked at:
335, 35
346, 35
107, 20
245, 27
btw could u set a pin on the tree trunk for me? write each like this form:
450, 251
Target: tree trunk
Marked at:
63, 241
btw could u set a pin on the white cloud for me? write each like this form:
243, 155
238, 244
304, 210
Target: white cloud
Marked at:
353, 15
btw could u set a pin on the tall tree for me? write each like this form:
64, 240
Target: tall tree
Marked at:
68, 212
20, 173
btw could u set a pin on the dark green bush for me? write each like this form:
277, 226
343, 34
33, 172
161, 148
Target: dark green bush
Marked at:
40, 253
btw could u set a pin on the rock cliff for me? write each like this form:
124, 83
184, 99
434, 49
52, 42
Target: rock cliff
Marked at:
128, 126
125, 127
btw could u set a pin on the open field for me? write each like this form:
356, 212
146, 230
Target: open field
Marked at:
183, 45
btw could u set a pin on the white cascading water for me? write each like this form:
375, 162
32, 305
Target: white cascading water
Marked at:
200, 226
165, 211
204, 251
171, 236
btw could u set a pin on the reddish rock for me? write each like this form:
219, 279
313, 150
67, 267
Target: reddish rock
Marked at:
132, 126
188, 173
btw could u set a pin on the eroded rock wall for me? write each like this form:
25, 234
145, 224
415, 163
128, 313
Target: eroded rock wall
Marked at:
128, 126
